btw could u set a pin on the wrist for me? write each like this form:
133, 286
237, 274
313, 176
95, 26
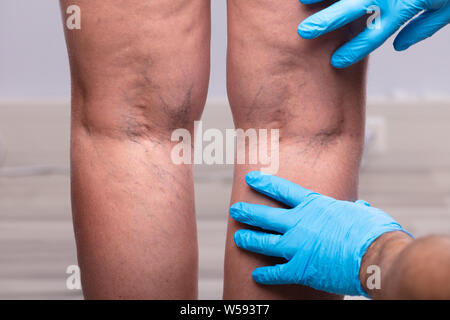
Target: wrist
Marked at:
376, 263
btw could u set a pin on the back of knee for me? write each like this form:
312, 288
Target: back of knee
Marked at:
300, 112
140, 108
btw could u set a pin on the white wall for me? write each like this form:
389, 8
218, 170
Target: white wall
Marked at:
33, 62
422, 70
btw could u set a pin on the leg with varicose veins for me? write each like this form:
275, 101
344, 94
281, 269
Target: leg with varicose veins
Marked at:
140, 70
276, 80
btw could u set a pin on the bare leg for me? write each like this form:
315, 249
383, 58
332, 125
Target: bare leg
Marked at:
277, 80
139, 70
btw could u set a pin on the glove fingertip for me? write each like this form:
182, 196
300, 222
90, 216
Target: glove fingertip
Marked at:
237, 211
252, 177
338, 62
238, 238
258, 276
305, 32
400, 46
236, 207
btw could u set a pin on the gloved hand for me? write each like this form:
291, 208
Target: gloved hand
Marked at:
323, 239
393, 14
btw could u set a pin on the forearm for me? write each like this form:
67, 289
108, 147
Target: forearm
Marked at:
410, 269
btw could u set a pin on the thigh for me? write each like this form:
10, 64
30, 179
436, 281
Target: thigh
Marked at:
277, 80
270, 66
152, 56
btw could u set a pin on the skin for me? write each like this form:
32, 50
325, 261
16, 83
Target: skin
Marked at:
133, 83
278, 80
410, 269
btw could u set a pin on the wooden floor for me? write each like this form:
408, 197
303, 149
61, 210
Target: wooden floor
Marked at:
406, 172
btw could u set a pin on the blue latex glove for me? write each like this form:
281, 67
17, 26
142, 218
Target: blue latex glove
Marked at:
393, 14
322, 239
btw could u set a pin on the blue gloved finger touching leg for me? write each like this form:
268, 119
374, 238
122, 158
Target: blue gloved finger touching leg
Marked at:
271, 275
267, 218
324, 246
259, 242
335, 16
278, 188
391, 16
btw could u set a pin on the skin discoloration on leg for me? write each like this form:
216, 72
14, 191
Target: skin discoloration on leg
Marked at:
267, 107
180, 112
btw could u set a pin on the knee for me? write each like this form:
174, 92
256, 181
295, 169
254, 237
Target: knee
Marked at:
140, 113
131, 82
302, 96
145, 102
301, 112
